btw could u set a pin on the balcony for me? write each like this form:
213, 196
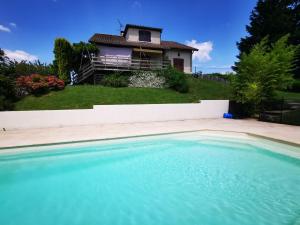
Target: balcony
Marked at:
117, 63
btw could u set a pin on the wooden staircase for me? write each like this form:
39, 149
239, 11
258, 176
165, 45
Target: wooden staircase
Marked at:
84, 72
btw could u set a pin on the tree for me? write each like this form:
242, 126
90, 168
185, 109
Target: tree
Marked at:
80, 53
2, 61
7, 89
6, 65
7, 93
63, 53
263, 71
1, 56
273, 18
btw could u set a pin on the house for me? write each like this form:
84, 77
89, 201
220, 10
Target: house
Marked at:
137, 48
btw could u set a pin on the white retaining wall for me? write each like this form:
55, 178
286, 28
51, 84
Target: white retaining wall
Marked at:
105, 114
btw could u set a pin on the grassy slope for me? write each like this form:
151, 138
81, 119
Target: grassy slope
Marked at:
85, 96
289, 95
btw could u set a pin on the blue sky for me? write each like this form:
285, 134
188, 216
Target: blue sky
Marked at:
28, 28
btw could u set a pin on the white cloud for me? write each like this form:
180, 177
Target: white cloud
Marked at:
4, 29
13, 24
20, 55
136, 4
204, 49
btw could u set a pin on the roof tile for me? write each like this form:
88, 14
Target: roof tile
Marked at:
121, 41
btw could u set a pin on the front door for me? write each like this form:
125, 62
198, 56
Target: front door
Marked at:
178, 64
145, 61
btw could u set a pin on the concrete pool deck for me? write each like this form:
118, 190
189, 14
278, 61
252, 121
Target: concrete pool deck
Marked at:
281, 132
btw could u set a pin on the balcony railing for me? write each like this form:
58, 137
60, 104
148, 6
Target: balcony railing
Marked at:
117, 63
127, 63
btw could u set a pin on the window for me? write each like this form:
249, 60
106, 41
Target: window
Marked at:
144, 35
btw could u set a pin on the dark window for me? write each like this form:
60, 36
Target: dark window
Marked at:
144, 35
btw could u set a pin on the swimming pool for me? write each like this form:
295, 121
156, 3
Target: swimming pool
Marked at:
188, 178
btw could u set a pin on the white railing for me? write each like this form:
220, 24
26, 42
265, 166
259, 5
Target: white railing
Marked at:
119, 62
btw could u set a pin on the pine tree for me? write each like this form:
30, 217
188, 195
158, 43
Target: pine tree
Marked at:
273, 19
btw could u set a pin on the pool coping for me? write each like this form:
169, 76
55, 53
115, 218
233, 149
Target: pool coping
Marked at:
153, 135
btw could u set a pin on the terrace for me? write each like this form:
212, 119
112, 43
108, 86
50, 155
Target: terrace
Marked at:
118, 63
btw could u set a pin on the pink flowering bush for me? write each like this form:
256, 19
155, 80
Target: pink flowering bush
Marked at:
38, 84
55, 83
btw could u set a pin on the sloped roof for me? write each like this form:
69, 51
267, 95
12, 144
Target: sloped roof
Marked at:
176, 45
117, 40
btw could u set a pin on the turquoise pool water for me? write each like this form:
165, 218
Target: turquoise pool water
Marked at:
170, 179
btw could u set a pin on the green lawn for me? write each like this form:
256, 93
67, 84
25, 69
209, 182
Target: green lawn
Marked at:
289, 95
85, 96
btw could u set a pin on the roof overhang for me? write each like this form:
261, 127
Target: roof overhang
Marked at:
120, 41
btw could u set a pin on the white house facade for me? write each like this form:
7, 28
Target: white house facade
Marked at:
136, 48
144, 43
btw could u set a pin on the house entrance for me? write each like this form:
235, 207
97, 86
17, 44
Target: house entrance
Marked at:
178, 64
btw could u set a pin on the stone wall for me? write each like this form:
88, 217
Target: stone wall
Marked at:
147, 79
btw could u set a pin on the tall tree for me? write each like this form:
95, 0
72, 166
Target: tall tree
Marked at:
81, 53
6, 65
7, 88
1, 55
1, 61
63, 53
264, 70
273, 19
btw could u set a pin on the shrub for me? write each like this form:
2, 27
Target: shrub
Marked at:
54, 83
115, 80
27, 68
12, 68
7, 93
175, 79
37, 84
263, 71
241, 110
295, 86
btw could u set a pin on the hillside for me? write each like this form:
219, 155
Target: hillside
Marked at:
85, 96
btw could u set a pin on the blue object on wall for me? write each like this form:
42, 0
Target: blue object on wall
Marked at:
227, 115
